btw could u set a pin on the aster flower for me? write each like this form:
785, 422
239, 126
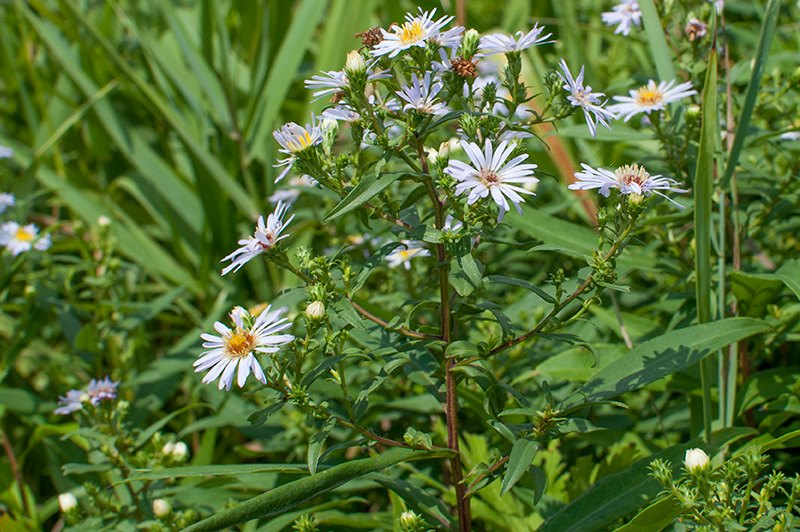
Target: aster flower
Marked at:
237, 347
341, 113
6, 200
790, 135
448, 39
583, 97
335, 81
296, 186
104, 390
499, 43
624, 15
489, 173
415, 31
421, 96
651, 97
403, 255
71, 402
264, 238
295, 139
20, 238
628, 179
6, 152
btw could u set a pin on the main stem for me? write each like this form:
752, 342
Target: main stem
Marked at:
451, 397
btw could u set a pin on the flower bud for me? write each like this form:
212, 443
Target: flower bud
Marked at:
315, 311
410, 521
354, 63
67, 501
696, 459
180, 451
161, 508
470, 43
168, 448
103, 220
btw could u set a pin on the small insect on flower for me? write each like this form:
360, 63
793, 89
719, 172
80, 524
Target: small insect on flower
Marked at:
489, 173
422, 96
21, 238
265, 237
295, 139
403, 255
628, 179
499, 43
6, 200
625, 15
237, 347
651, 97
583, 97
415, 31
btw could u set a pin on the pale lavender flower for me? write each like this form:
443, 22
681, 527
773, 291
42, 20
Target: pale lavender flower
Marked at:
237, 347
499, 43
489, 173
335, 81
624, 15
422, 96
104, 390
651, 97
71, 402
415, 31
583, 97
264, 238
6, 200
6, 152
293, 140
628, 179
403, 255
292, 192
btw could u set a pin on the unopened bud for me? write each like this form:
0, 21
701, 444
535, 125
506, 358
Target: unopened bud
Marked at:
696, 459
410, 521
67, 501
470, 43
103, 220
180, 451
355, 62
161, 508
315, 311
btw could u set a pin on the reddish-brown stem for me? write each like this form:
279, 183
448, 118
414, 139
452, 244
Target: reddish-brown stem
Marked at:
451, 397
14, 465
385, 324
492, 469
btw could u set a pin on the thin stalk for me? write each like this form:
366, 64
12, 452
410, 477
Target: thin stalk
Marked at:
383, 323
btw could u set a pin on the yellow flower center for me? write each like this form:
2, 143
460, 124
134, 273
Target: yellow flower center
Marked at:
405, 254
300, 142
649, 96
23, 236
239, 344
411, 32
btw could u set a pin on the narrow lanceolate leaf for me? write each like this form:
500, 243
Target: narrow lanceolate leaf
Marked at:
789, 273
519, 461
290, 495
665, 355
658, 43
371, 186
621, 494
762, 51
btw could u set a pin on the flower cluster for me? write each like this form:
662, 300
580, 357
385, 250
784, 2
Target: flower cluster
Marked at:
95, 393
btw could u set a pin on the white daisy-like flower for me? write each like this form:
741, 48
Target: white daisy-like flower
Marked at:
628, 179
451, 224
448, 39
264, 238
415, 31
341, 113
651, 97
335, 81
489, 173
104, 390
20, 238
296, 186
583, 97
71, 402
403, 255
499, 43
422, 96
624, 15
237, 347
6, 152
6, 200
293, 140
789, 135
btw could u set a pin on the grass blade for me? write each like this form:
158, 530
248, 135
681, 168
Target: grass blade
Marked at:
658, 43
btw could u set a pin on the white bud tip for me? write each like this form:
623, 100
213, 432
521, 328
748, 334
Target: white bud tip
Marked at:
695, 459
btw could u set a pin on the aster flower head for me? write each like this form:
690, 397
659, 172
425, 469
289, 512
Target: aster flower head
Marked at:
71, 402
102, 390
421, 96
341, 113
490, 174
449, 38
417, 30
21, 238
406, 251
336, 81
628, 179
581, 95
295, 139
651, 97
237, 347
6, 200
499, 43
264, 238
6, 152
296, 186
624, 15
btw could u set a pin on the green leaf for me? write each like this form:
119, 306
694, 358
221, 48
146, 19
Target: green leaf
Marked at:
260, 417
657, 516
754, 292
751, 95
789, 273
461, 349
658, 43
290, 495
316, 444
519, 461
667, 354
206, 471
372, 185
767, 385
618, 495
501, 279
